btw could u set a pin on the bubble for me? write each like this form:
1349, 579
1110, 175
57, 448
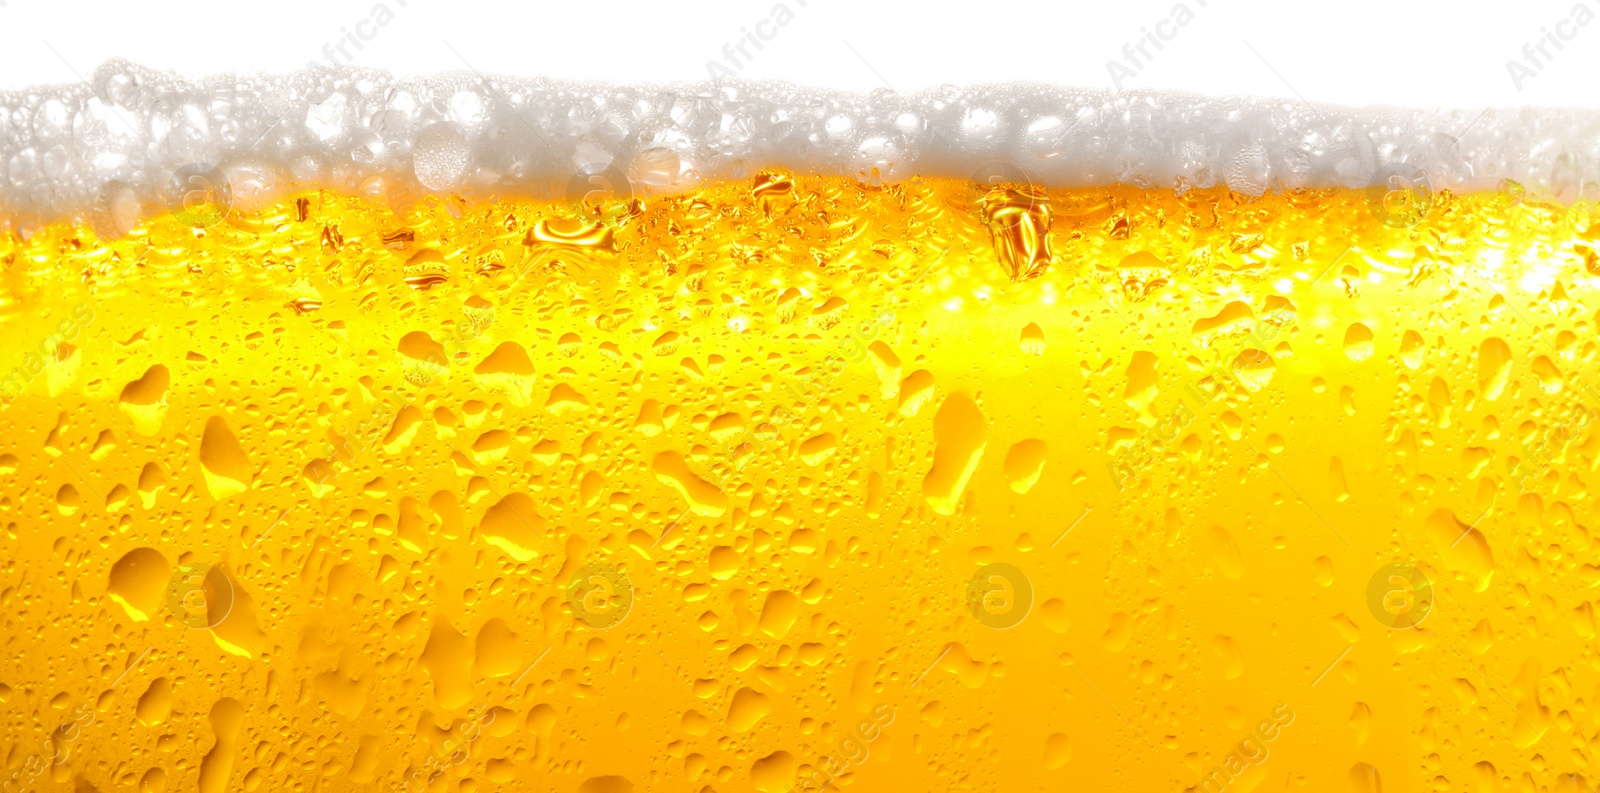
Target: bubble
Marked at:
1043, 135
507, 148
329, 120
190, 131
839, 127
468, 109
440, 156
879, 158
116, 211
1566, 177
54, 143
909, 123
391, 126
252, 183
600, 595
980, 126
1399, 196
999, 596
118, 83
1248, 172
657, 166
52, 120
1197, 166
692, 114
1513, 190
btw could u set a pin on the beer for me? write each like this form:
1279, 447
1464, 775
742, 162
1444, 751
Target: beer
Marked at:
795, 481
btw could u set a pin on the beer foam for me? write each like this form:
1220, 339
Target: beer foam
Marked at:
127, 140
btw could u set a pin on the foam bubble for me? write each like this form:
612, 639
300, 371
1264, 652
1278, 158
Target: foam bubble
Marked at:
441, 154
109, 150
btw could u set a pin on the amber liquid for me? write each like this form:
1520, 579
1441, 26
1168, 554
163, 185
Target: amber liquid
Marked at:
800, 484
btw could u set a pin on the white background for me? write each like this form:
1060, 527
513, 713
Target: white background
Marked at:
1369, 52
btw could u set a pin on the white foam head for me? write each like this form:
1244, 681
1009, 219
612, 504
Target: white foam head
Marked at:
125, 134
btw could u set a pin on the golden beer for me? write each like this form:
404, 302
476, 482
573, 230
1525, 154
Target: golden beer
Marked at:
794, 482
